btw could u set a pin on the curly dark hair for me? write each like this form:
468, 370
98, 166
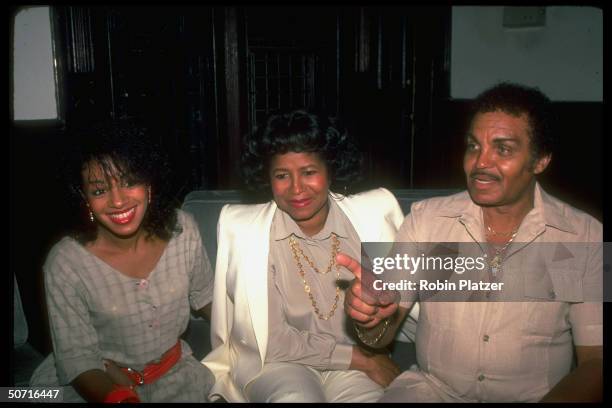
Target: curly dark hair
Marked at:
124, 150
302, 131
516, 100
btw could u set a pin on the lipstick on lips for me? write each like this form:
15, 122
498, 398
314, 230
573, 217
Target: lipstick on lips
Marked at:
300, 203
123, 217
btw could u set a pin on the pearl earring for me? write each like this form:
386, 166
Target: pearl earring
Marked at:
91, 217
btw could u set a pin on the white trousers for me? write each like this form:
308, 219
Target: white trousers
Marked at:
290, 382
415, 386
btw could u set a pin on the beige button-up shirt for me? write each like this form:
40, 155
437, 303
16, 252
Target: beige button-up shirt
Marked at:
297, 334
507, 351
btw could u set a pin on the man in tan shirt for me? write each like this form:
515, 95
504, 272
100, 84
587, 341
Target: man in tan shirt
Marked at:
500, 351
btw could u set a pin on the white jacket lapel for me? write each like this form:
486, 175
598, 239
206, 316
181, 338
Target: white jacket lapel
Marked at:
255, 260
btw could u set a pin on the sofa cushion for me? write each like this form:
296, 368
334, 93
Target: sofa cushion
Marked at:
205, 205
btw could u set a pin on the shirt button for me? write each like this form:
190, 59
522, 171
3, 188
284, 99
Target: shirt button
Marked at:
481, 377
485, 337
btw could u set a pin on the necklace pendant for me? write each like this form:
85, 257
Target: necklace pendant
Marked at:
495, 262
495, 265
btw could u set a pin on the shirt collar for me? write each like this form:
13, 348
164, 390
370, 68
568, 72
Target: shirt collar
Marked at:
283, 226
552, 211
546, 211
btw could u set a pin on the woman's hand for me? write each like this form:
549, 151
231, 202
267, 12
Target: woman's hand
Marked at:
116, 375
378, 366
383, 370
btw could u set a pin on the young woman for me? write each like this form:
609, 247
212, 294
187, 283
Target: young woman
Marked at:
120, 287
279, 329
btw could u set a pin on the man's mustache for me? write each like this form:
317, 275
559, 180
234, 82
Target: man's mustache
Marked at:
483, 175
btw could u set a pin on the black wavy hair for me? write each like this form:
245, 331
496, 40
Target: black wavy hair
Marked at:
516, 100
124, 150
302, 131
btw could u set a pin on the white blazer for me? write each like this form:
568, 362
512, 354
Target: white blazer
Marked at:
239, 328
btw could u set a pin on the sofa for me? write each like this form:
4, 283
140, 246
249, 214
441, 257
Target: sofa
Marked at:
206, 205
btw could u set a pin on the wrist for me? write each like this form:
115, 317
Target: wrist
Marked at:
359, 360
372, 337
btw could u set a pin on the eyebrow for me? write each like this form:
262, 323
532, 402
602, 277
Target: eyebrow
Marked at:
470, 137
510, 139
96, 181
496, 139
299, 168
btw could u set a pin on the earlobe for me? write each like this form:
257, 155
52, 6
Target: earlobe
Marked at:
542, 164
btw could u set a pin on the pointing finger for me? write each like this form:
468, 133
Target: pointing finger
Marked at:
349, 263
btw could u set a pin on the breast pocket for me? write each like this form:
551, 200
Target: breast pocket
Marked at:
556, 285
546, 306
567, 285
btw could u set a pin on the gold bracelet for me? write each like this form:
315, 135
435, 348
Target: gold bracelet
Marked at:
371, 342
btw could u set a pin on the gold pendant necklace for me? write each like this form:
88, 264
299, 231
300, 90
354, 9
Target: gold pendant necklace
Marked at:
496, 263
297, 251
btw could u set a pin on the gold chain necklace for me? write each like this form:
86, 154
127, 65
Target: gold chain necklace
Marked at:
496, 262
332, 261
492, 232
297, 251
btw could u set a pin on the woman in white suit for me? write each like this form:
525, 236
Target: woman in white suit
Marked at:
279, 333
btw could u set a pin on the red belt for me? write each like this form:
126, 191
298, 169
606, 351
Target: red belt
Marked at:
155, 370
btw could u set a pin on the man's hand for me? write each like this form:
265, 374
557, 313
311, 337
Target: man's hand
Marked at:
363, 309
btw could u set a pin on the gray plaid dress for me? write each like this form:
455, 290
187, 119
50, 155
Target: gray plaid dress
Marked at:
96, 313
